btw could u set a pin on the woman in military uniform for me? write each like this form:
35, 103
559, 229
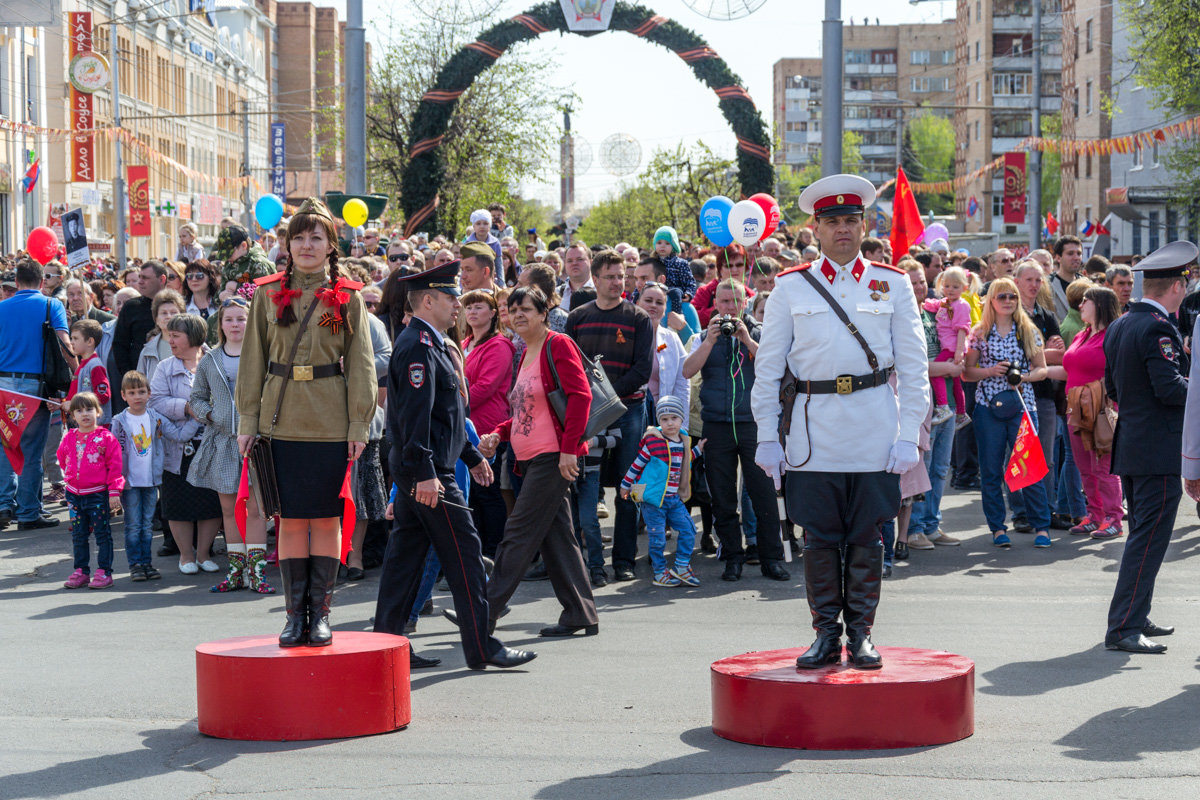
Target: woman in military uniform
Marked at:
324, 416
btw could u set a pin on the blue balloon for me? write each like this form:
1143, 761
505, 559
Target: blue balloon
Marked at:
714, 220
268, 211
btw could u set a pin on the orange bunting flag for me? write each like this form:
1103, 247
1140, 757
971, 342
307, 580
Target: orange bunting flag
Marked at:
907, 225
1027, 465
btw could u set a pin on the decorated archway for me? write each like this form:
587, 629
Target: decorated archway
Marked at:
423, 175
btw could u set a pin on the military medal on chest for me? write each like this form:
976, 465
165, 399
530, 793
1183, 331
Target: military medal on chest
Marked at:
879, 290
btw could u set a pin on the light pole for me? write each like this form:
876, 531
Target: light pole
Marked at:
1035, 157
356, 99
831, 88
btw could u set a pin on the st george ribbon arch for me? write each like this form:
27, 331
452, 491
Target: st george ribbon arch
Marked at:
423, 175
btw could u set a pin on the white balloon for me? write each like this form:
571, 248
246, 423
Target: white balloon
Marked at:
747, 222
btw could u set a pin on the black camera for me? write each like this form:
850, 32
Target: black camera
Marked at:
1013, 374
728, 325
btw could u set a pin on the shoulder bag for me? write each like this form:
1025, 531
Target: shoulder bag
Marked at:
56, 372
606, 408
262, 462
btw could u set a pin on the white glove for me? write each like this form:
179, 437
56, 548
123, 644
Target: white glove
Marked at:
769, 457
904, 456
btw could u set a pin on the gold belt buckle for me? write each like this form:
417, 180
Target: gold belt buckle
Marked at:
305, 373
845, 384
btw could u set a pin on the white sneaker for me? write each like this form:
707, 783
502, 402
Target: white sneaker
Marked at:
942, 414
601, 511
208, 565
189, 568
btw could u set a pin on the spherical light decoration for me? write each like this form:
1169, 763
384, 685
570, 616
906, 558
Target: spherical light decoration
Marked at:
581, 153
620, 154
724, 9
458, 12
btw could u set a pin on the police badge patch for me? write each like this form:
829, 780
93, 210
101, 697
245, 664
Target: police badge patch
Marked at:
416, 375
1167, 347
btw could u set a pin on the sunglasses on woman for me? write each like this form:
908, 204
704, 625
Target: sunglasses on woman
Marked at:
1004, 296
196, 276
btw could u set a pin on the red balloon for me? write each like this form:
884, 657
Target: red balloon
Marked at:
770, 212
42, 245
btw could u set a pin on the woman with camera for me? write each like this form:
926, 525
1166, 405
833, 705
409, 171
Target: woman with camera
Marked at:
1005, 356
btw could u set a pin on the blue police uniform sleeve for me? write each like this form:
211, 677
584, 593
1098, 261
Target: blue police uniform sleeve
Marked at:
1162, 352
410, 400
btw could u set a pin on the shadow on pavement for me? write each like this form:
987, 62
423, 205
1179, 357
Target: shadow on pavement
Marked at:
1031, 678
1131, 734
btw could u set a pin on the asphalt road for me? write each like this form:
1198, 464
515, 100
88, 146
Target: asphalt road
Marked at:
98, 697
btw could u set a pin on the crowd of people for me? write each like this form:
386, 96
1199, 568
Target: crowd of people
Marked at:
178, 362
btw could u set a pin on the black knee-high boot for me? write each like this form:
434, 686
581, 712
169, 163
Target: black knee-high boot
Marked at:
322, 572
864, 577
294, 572
823, 584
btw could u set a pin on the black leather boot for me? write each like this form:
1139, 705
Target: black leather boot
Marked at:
322, 571
823, 584
294, 574
864, 576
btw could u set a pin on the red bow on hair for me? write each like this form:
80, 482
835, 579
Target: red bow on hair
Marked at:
283, 298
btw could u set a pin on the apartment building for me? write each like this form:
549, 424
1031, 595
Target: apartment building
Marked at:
890, 73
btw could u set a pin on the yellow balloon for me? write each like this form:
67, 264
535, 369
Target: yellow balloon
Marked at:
354, 212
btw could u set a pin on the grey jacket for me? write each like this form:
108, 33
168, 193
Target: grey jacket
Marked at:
382, 347
170, 391
216, 465
164, 430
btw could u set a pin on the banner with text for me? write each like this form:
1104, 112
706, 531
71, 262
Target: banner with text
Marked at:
82, 148
278, 161
138, 180
1014, 188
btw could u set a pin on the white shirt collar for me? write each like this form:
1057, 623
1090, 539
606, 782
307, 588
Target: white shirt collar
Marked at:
1157, 305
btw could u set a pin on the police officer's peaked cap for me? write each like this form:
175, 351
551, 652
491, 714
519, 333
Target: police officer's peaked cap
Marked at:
443, 279
1169, 261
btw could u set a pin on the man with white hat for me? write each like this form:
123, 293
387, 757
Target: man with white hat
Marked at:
841, 326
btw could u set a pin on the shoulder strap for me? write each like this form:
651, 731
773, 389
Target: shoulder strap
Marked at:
291, 360
550, 359
841, 314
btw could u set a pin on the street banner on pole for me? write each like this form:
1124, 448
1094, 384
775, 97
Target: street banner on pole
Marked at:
138, 179
1014, 188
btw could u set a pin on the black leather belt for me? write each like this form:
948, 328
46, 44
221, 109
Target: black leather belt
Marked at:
29, 376
304, 372
844, 384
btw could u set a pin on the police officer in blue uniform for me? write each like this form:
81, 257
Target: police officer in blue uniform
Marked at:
426, 417
1145, 374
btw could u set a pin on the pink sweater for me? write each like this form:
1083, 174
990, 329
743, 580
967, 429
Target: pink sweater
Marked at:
1084, 359
100, 467
950, 320
489, 372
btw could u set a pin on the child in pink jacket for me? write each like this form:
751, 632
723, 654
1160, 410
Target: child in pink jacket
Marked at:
90, 457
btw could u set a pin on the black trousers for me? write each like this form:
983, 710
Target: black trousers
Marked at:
1153, 503
841, 508
965, 452
729, 445
451, 532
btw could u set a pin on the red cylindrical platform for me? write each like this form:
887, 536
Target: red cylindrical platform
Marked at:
918, 698
251, 688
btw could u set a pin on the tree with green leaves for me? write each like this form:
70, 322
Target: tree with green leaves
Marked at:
502, 130
927, 155
1165, 47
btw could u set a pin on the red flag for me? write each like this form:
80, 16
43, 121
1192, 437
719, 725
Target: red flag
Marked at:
16, 410
1051, 223
243, 497
1027, 465
349, 512
1015, 188
907, 226
1101, 230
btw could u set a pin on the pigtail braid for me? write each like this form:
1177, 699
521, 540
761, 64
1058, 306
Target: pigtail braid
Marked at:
288, 315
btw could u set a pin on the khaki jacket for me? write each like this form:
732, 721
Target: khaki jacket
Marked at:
333, 409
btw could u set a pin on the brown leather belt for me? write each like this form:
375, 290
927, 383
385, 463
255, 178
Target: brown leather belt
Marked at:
844, 384
304, 372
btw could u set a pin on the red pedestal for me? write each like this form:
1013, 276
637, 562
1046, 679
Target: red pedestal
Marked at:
251, 688
920, 697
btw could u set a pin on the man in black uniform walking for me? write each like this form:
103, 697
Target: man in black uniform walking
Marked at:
427, 421
1145, 374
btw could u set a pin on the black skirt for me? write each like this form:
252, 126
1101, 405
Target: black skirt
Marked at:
183, 502
310, 476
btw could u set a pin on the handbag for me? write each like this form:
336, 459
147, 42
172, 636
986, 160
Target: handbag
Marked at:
56, 372
1006, 404
606, 407
1105, 427
260, 458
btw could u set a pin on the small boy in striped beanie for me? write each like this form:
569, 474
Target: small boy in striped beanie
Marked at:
658, 480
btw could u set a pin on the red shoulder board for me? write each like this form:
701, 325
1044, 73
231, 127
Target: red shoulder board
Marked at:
888, 266
346, 283
790, 270
264, 280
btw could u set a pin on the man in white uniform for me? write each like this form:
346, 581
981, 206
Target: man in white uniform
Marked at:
850, 435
